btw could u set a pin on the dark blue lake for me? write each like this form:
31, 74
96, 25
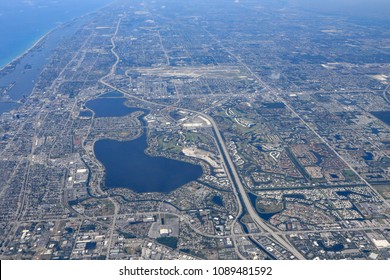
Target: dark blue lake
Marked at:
217, 200
127, 166
110, 107
368, 156
85, 114
374, 130
334, 248
384, 116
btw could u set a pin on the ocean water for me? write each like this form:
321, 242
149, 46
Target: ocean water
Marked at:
23, 22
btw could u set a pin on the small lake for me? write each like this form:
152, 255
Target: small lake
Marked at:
217, 200
127, 166
347, 193
368, 156
375, 130
333, 248
110, 107
384, 116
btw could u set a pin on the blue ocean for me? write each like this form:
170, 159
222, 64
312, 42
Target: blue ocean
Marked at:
23, 22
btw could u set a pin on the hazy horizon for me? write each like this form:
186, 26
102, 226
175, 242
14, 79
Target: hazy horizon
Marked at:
359, 8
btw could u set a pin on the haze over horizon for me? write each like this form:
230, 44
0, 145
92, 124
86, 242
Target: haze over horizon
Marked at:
360, 8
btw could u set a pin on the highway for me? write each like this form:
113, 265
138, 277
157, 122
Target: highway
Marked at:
228, 163
288, 106
251, 211
238, 188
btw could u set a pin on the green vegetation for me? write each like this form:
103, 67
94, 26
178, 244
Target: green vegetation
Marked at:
169, 216
350, 175
168, 144
195, 137
246, 219
269, 206
384, 190
133, 251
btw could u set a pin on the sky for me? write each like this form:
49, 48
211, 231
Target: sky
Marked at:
359, 8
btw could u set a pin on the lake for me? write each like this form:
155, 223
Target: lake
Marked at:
384, 116
110, 107
127, 166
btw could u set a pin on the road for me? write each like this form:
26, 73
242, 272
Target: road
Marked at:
281, 99
228, 163
238, 188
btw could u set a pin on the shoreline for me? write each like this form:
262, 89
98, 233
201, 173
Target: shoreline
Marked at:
30, 48
40, 39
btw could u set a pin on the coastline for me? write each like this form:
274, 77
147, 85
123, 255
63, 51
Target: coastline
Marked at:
30, 48
40, 39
